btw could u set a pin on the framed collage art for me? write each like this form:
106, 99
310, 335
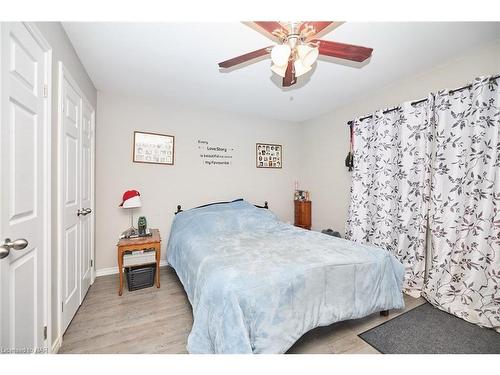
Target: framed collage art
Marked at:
153, 148
269, 155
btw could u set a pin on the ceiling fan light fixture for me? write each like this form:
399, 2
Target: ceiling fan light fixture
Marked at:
298, 49
280, 54
300, 68
279, 70
307, 54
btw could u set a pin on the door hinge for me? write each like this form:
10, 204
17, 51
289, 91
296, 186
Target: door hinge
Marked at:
91, 263
45, 91
62, 306
45, 333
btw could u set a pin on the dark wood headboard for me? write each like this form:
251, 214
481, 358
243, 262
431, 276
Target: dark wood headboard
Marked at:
179, 208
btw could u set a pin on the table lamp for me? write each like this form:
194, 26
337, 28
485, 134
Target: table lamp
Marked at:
131, 199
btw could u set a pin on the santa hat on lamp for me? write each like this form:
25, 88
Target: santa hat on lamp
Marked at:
131, 199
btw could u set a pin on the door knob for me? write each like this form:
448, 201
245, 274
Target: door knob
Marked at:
83, 212
18, 244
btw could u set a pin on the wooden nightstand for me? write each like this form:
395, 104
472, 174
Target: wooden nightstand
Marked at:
303, 214
141, 243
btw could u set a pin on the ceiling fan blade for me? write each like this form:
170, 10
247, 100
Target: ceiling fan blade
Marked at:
246, 57
315, 26
289, 78
343, 51
274, 28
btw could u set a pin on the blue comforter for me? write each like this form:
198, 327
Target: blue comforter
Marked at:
257, 285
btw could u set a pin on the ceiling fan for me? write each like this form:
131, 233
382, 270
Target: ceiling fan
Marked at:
297, 50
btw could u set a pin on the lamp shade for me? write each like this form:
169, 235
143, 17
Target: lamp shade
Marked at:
131, 199
279, 70
300, 68
280, 54
307, 54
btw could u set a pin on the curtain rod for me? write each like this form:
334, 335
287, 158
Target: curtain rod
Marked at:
422, 100
470, 85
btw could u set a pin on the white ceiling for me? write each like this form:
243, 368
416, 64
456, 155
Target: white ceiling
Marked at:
179, 60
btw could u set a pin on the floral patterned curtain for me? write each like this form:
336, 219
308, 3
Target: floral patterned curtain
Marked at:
464, 274
390, 186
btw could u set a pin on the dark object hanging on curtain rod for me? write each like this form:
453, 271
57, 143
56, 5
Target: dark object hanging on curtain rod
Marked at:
349, 160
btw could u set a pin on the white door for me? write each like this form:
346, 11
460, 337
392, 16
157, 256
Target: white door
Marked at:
70, 192
76, 186
24, 180
86, 219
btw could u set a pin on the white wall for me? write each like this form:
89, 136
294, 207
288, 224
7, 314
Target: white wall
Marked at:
62, 50
326, 138
188, 182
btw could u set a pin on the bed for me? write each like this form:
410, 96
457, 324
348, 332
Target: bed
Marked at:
256, 284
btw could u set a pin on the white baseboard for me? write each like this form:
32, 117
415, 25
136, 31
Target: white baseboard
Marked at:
56, 345
114, 270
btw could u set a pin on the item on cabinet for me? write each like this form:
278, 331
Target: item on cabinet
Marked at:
129, 235
331, 232
131, 199
301, 195
141, 226
303, 214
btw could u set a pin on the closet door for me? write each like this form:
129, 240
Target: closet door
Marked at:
70, 184
87, 216
76, 181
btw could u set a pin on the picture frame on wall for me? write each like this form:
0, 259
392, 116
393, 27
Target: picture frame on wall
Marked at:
153, 148
269, 155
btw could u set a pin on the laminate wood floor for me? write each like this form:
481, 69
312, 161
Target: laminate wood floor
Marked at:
159, 321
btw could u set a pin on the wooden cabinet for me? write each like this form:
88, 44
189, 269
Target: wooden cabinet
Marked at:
141, 243
303, 214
